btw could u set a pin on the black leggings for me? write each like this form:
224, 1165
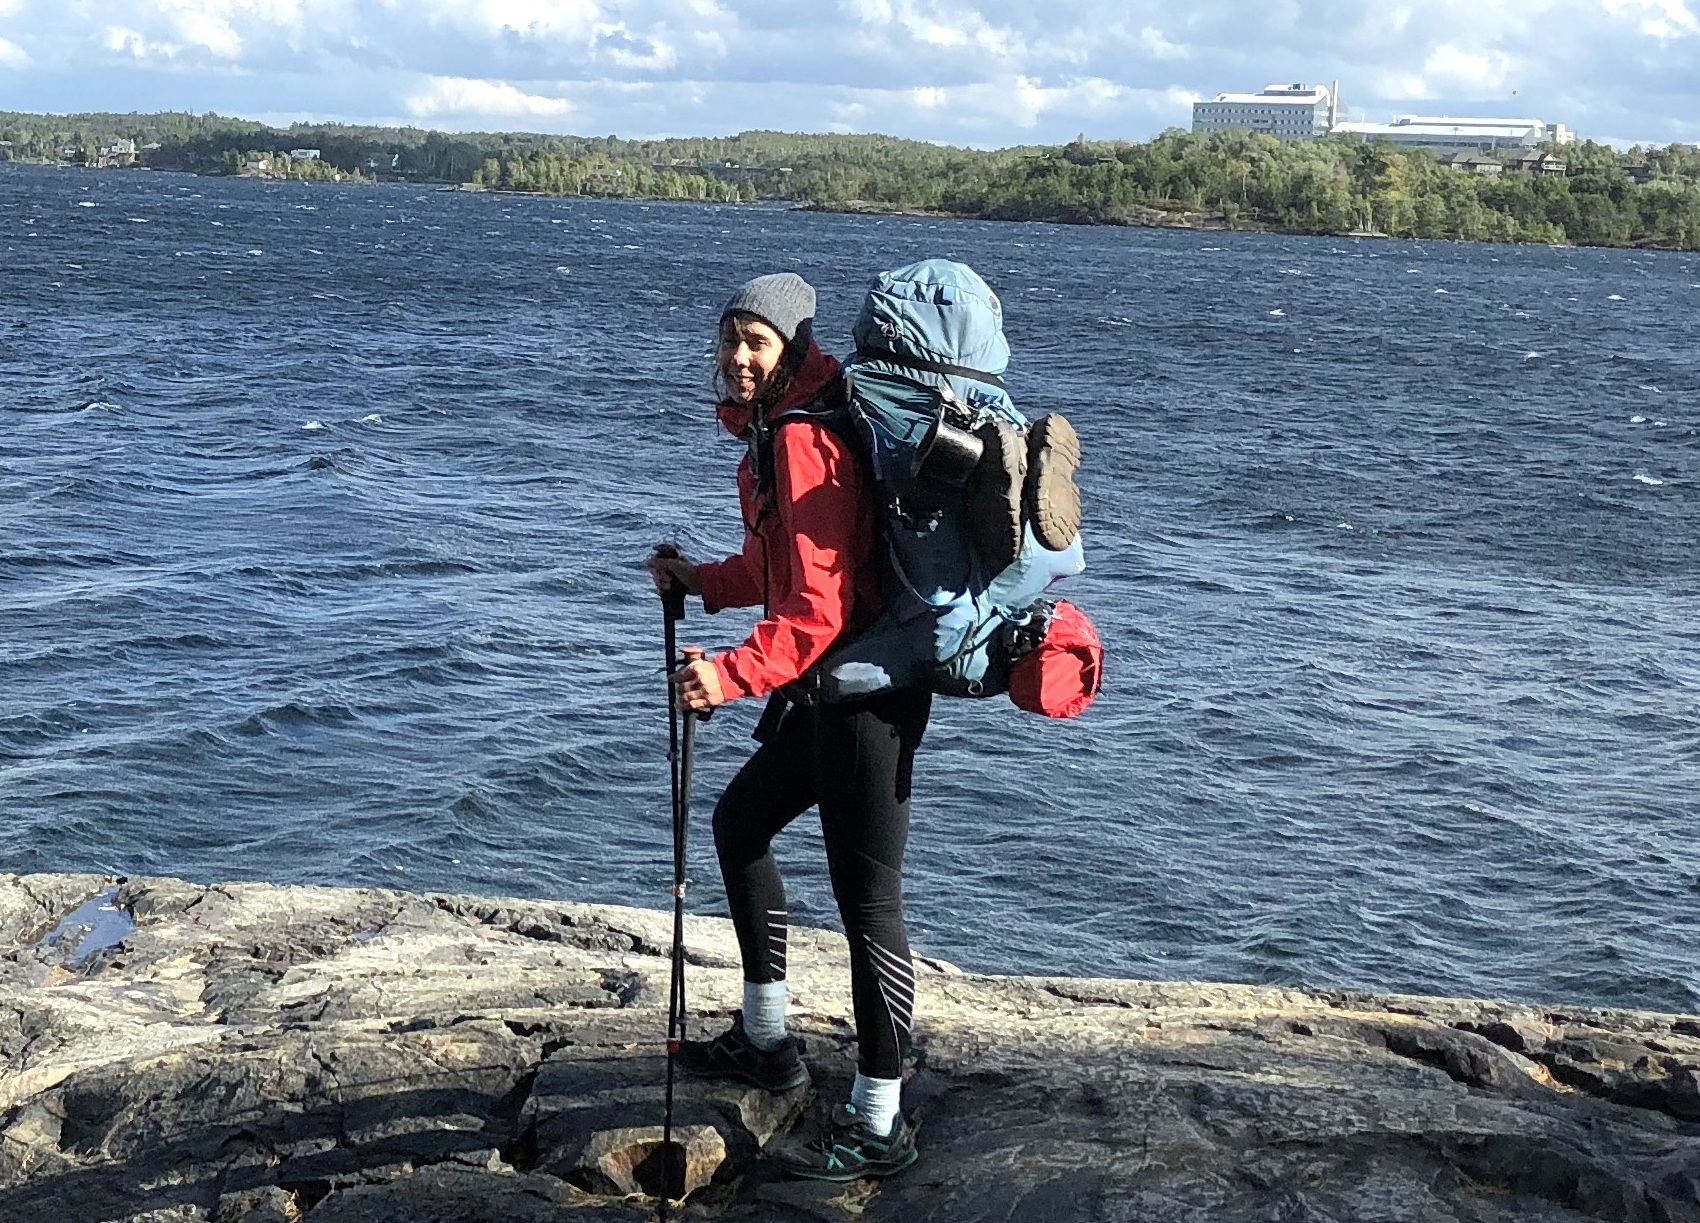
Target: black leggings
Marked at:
854, 761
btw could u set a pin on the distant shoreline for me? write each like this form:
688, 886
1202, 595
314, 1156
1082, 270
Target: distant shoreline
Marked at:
1224, 216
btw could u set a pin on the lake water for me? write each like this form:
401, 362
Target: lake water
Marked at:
322, 512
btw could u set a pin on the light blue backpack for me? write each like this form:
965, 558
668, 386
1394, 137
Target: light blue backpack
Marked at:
964, 586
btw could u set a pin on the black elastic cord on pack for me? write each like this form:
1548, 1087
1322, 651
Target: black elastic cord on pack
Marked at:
931, 367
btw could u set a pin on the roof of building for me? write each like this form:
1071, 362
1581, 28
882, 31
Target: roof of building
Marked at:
1292, 95
1456, 121
1415, 125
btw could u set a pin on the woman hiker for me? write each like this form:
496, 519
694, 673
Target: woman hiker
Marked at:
810, 560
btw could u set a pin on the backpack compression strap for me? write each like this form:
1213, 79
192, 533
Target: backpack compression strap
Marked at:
931, 367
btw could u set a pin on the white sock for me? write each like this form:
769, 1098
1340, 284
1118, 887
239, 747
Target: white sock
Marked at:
877, 1100
764, 1013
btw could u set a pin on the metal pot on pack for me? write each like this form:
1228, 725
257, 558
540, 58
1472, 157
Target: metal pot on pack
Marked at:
949, 455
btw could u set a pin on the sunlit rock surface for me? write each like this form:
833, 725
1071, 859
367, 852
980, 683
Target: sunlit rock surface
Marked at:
259, 1054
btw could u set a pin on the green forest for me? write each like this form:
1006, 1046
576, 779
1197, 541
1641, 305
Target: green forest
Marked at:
1234, 180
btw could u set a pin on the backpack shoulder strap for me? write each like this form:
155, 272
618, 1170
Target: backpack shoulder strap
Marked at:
830, 409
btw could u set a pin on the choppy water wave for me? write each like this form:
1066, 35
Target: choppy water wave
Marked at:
321, 564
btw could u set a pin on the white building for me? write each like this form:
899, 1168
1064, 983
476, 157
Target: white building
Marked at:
1290, 112
1450, 135
304, 154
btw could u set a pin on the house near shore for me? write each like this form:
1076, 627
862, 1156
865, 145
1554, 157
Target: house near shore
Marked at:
116, 153
1476, 163
1540, 165
304, 154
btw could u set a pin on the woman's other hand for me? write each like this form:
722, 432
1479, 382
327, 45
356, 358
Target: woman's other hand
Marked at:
667, 565
697, 687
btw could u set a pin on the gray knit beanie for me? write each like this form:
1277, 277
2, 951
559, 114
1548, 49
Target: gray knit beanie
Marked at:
783, 300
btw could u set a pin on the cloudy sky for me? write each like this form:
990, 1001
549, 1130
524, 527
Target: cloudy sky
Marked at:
992, 73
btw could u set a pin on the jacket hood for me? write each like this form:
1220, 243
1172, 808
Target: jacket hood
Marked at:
814, 375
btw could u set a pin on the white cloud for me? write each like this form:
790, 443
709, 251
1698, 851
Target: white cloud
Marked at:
1155, 46
176, 29
636, 54
1661, 19
940, 35
210, 30
1466, 73
540, 19
1020, 103
120, 41
974, 71
870, 12
458, 97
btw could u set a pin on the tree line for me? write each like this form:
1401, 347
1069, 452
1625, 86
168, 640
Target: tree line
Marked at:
1642, 197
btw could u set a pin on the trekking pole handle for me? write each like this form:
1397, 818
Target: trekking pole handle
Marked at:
695, 653
673, 594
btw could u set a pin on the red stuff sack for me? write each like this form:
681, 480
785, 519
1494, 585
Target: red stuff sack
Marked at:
1060, 676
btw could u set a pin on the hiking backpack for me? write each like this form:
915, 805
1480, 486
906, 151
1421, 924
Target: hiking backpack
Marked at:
973, 529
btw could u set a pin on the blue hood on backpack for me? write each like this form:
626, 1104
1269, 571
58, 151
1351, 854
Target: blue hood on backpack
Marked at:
936, 310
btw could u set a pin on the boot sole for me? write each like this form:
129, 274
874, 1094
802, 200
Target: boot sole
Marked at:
1053, 499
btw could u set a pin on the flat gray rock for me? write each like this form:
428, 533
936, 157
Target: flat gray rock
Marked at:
260, 1054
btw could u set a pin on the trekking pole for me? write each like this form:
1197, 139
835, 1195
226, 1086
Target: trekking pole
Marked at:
675, 1158
675, 1023
673, 610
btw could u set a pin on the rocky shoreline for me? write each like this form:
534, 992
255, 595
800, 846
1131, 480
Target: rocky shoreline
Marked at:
1136, 216
256, 1054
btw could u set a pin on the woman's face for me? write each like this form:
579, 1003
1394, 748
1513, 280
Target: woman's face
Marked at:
749, 353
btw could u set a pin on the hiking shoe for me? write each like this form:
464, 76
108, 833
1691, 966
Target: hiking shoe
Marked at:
1052, 501
733, 1055
992, 498
850, 1151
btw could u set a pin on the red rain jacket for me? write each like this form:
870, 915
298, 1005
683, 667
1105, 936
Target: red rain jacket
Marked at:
809, 545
